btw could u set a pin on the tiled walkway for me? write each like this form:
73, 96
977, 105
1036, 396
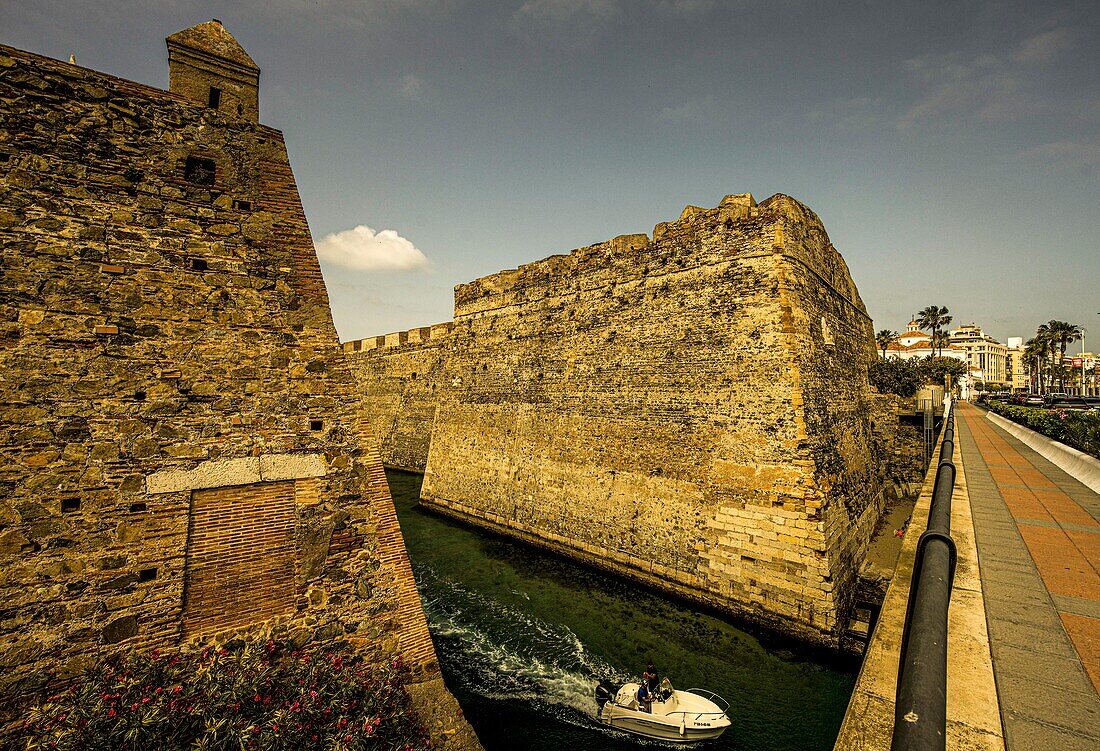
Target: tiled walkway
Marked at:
1038, 536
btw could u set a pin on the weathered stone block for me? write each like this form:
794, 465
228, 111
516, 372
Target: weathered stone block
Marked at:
120, 629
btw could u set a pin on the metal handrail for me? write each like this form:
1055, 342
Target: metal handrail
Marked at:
710, 696
920, 709
696, 714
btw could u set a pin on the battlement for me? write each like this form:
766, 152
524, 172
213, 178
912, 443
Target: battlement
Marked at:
420, 335
732, 209
736, 227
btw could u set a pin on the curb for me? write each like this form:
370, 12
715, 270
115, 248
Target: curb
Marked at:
1080, 466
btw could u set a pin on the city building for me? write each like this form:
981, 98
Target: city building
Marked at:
1083, 377
914, 343
984, 353
1017, 364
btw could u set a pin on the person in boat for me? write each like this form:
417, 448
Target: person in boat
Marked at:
644, 696
651, 681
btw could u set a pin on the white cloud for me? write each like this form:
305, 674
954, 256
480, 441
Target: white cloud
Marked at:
1067, 153
1007, 88
1043, 47
952, 89
563, 24
693, 111
684, 7
353, 13
412, 88
559, 11
363, 249
848, 114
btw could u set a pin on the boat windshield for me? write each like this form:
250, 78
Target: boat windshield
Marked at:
664, 691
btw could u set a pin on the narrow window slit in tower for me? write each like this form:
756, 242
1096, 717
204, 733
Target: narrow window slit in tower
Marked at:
215, 99
316, 424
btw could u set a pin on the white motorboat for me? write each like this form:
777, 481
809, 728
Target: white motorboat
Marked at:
676, 716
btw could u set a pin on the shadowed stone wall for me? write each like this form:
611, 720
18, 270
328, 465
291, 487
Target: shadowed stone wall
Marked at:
690, 410
406, 370
179, 429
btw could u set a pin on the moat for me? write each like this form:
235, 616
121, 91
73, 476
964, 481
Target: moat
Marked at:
523, 636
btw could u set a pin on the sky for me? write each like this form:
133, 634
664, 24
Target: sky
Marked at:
952, 149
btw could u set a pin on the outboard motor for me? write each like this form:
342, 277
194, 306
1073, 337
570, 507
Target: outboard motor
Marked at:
606, 691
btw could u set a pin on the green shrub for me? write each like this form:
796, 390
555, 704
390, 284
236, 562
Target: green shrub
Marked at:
254, 695
1078, 429
934, 370
901, 377
904, 377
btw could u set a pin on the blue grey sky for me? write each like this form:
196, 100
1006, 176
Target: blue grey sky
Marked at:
952, 149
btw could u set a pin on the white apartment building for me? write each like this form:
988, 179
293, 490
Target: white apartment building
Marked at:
984, 353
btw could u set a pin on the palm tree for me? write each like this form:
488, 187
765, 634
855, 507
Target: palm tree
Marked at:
1062, 334
933, 317
941, 340
1045, 343
885, 338
1035, 350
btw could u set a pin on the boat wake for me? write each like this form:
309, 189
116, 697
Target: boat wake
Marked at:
505, 654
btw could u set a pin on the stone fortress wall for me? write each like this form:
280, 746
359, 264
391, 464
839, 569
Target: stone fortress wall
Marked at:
690, 410
406, 370
182, 453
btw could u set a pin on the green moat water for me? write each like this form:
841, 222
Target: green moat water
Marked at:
523, 637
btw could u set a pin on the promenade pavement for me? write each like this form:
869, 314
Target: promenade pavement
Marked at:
1038, 540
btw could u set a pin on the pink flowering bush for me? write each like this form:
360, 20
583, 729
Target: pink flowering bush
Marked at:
261, 696
1078, 429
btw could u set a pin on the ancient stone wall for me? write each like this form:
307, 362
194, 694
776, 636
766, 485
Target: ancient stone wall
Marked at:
170, 377
405, 370
691, 411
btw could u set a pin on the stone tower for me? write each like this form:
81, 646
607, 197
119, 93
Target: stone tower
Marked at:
206, 64
181, 454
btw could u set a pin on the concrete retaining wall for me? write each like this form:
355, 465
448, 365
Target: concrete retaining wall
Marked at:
1085, 468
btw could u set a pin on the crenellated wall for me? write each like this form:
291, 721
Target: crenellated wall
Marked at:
406, 370
690, 410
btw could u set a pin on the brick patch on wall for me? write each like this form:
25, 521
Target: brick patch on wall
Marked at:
240, 556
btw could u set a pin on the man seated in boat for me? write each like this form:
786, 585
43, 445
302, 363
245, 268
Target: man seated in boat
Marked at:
644, 696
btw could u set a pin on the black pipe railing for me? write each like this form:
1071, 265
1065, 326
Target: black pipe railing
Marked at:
920, 709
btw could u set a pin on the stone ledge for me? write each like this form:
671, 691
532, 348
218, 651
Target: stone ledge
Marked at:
1078, 465
220, 473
